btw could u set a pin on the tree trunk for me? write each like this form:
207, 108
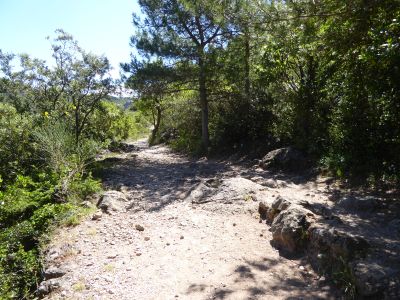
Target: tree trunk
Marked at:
247, 62
157, 122
203, 102
77, 126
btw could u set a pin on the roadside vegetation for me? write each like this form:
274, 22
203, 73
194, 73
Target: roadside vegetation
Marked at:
53, 123
322, 76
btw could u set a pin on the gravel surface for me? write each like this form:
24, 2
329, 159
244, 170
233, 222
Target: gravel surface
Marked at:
168, 245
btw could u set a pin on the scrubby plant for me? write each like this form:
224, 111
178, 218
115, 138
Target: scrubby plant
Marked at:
16, 147
48, 138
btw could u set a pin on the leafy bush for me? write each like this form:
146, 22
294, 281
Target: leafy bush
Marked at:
52, 124
180, 124
112, 123
15, 142
27, 211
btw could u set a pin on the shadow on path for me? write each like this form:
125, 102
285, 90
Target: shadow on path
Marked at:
265, 279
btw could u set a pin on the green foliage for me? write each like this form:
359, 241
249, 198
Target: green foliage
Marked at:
52, 124
365, 88
184, 33
15, 143
180, 126
26, 213
344, 277
22, 219
112, 123
322, 77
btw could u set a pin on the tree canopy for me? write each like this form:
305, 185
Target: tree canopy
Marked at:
318, 75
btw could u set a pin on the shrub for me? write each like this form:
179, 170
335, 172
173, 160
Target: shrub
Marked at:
27, 211
15, 143
112, 123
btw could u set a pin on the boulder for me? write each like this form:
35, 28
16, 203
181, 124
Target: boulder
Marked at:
265, 211
270, 183
280, 204
287, 159
289, 229
47, 286
225, 191
329, 248
268, 211
362, 204
53, 272
121, 147
112, 201
394, 226
370, 278
201, 193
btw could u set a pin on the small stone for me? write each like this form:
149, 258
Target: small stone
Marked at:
53, 285
301, 268
182, 237
168, 244
139, 227
234, 224
43, 289
138, 253
63, 294
97, 216
147, 238
112, 201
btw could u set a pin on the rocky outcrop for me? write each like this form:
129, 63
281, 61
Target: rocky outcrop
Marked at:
289, 228
326, 245
333, 252
358, 204
121, 147
374, 280
288, 159
47, 286
53, 272
225, 191
112, 201
268, 211
201, 193
290, 223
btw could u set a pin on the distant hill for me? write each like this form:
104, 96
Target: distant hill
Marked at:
123, 102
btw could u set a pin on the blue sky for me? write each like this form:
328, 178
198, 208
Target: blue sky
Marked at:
100, 26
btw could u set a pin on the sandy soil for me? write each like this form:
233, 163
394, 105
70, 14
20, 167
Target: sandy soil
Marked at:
212, 250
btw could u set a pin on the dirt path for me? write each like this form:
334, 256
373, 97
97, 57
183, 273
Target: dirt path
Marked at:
214, 250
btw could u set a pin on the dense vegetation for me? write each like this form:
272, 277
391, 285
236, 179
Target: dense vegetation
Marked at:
53, 121
322, 76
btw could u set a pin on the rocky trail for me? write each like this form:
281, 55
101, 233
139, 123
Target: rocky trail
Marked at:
176, 228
